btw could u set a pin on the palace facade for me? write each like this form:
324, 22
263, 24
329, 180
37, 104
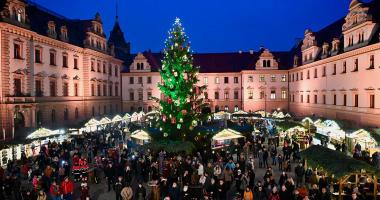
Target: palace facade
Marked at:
55, 71
332, 73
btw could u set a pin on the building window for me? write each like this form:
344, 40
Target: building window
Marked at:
250, 94
296, 76
149, 95
116, 90
324, 71
110, 90
38, 86
76, 63
301, 98
76, 113
371, 62
98, 66
76, 89
66, 114
344, 100
131, 96
308, 74
308, 99
356, 63
37, 56
356, 100
65, 89
52, 58
110, 69
149, 80
140, 96
53, 115
216, 80
104, 90
104, 68
283, 94
92, 66
315, 99
236, 94
372, 101
205, 80
261, 78
301, 76
226, 108
92, 90
283, 78
226, 95
236, 79
216, 95
344, 67
236, 108
334, 70
205, 94
139, 80
324, 99
262, 95
273, 78
334, 103
225, 80
131, 80
116, 71
266, 63
53, 89
273, 94
99, 91
292, 77
64, 61
17, 51
315, 73
17, 87
250, 79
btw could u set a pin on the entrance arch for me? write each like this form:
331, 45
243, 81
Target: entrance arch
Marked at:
18, 120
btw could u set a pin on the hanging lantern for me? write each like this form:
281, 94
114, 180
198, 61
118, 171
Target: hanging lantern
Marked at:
164, 118
170, 100
178, 126
181, 120
173, 120
175, 74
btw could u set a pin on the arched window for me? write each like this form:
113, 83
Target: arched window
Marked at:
66, 114
19, 15
93, 111
226, 108
53, 115
142, 66
76, 113
138, 66
236, 108
268, 63
39, 117
104, 109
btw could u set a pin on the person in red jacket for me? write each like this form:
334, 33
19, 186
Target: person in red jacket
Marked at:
55, 192
67, 188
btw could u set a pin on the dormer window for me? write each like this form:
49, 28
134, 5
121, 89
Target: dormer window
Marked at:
361, 37
356, 68
325, 49
350, 41
19, 15
266, 63
51, 29
64, 33
295, 63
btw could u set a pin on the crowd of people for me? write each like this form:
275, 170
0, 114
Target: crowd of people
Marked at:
254, 169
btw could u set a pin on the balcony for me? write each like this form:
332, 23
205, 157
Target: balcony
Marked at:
19, 98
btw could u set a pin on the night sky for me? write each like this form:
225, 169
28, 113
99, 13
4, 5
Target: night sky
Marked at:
212, 25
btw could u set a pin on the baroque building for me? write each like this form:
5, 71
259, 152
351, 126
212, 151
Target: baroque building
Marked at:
55, 71
331, 73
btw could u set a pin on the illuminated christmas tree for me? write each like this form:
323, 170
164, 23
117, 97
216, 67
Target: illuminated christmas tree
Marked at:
180, 109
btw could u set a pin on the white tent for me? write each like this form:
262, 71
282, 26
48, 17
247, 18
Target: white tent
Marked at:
43, 133
307, 120
105, 120
262, 113
331, 129
92, 122
127, 116
134, 117
117, 118
363, 138
227, 134
141, 136
222, 115
240, 112
288, 115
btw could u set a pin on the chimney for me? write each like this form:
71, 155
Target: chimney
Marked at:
250, 51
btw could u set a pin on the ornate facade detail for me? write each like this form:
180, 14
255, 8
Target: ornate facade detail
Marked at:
358, 14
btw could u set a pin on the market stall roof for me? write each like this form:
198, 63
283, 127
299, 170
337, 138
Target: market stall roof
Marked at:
279, 115
43, 133
307, 119
240, 112
299, 128
127, 116
141, 135
227, 134
222, 113
340, 165
262, 113
117, 118
153, 112
362, 135
288, 115
105, 120
331, 124
92, 122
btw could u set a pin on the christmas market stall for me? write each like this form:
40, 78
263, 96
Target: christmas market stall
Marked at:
225, 138
343, 172
91, 125
221, 115
141, 137
296, 134
240, 114
361, 137
331, 131
117, 119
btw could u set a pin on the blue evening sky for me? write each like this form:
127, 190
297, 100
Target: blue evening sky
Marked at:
212, 25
